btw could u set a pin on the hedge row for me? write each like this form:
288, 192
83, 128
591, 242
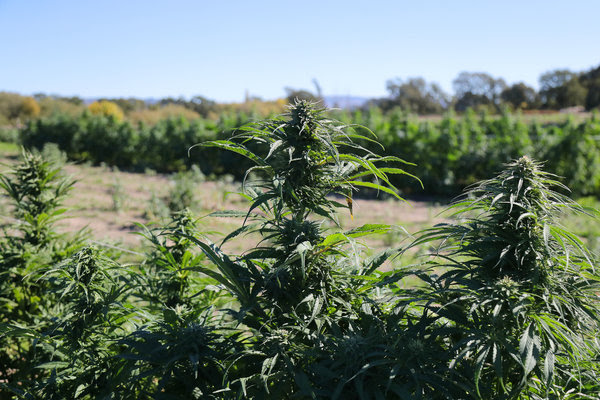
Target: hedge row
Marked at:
451, 153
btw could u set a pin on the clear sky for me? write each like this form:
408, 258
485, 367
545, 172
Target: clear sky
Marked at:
221, 48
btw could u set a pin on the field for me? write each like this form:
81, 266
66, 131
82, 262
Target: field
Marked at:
110, 203
496, 299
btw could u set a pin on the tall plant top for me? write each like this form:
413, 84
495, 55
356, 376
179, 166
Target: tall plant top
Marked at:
517, 236
302, 157
523, 191
35, 186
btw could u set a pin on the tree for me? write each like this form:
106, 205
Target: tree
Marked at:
106, 108
29, 108
201, 105
519, 95
76, 100
14, 107
198, 104
128, 105
471, 100
561, 88
416, 95
592, 99
473, 89
591, 80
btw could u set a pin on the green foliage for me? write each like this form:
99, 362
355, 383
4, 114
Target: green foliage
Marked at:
561, 89
182, 194
85, 323
415, 95
166, 270
30, 244
574, 154
506, 308
451, 153
457, 152
179, 356
477, 89
162, 147
520, 96
519, 292
9, 135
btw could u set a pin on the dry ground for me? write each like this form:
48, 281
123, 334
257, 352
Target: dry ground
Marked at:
110, 204
91, 205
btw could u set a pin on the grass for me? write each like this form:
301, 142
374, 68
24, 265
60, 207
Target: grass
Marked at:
9, 149
587, 228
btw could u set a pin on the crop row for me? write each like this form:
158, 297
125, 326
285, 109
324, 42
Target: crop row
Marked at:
450, 154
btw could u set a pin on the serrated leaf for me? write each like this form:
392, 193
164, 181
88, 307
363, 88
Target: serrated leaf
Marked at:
53, 365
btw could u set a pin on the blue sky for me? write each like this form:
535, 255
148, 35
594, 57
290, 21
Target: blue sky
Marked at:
221, 49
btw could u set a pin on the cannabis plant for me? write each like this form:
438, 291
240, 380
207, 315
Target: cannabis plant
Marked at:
180, 354
297, 287
182, 194
299, 169
88, 318
167, 277
508, 306
519, 296
35, 188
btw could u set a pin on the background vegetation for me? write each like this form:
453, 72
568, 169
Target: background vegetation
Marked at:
451, 152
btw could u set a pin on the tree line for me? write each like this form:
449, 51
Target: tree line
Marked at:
558, 89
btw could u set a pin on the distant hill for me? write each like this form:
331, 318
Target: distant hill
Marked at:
348, 102
147, 100
334, 101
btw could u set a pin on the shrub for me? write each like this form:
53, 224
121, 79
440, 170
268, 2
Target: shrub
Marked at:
451, 153
106, 108
29, 108
182, 194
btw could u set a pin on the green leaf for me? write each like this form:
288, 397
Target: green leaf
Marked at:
548, 371
529, 347
53, 365
368, 229
479, 364
274, 146
304, 384
377, 187
318, 303
228, 214
79, 390
234, 147
374, 262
